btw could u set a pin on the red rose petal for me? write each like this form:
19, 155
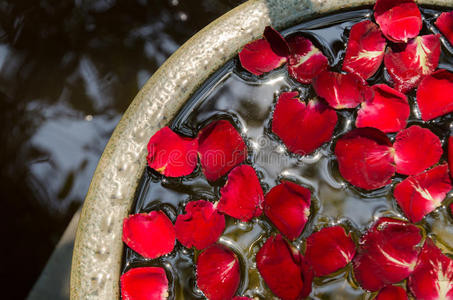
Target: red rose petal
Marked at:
303, 127
144, 284
284, 269
445, 24
417, 59
305, 61
365, 158
388, 111
221, 148
276, 41
432, 278
392, 292
416, 149
287, 206
387, 253
365, 51
218, 273
150, 235
200, 226
435, 95
242, 196
329, 250
171, 154
421, 194
258, 58
340, 90
399, 20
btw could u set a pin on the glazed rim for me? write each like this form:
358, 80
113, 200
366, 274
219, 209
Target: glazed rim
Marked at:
98, 247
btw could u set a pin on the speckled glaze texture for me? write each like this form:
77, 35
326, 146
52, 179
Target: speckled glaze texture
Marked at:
98, 247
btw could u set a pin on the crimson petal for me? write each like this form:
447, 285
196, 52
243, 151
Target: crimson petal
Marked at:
276, 41
144, 284
287, 206
435, 95
392, 292
258, 58
171, 154
445, 24
150, 235
218, 272
201, 226
365, 50
416, 149
329, 250
221, 148
365, 158
284, 269
242, 196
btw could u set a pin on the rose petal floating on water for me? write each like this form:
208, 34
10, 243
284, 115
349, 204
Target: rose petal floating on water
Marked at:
150, 235
399, 20
421, 194
242, 196
303, 127
365, 158
445, 24
171, 154
284, 269
388, 111
387, 253
408, 64
435, 95
276, 41
221, 148
432, 278
218, 272
258, 58
416, 149
287, 206
329, 250
365, 50
144, 284
392, 292
200, 226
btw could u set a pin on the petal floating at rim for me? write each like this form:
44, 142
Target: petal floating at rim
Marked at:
365, 158
416, 149
150, 235
432, 278
144, 284
218, 273
284, 269
303, 127
445, 24
200, 226
388, 111
287, 206
435, 95
258, 58
276, 41
365, 51
329, 250
392, 292
305, 61
421, 194
221, 148
172, 155
408, 64
242, 196
399, 20
387, 253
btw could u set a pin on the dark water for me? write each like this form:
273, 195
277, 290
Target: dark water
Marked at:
247, 101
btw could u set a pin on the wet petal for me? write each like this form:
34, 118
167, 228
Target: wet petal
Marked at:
416, 149
218, 273
387, 111
242, 196
144, 284
421, 194
258, 58
303, 127
365, 50
171, 154
221, 148
392, 292
329, 250
276, 41
435, 95
287, 206
408, 64
284, 269
445, 24
399, 20
200, 226
365, 158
